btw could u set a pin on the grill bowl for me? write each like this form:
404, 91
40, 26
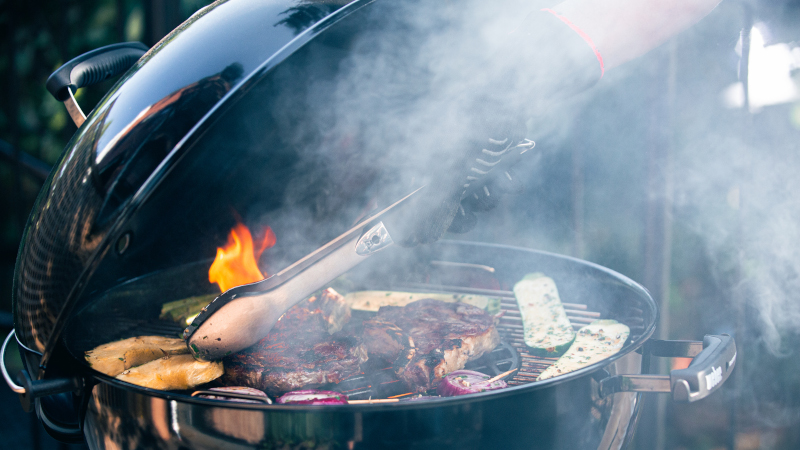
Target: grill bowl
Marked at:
562, 412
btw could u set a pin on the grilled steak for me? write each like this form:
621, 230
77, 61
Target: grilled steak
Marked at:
428, 339
299, 352
333, 308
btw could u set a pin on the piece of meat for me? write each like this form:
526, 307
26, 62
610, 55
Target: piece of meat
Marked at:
335, 310
299, 352
385, 339
428, 339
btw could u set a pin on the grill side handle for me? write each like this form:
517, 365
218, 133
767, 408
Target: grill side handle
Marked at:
713, 361
52, 399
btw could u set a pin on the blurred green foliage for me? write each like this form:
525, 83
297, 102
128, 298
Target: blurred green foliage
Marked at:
37, 38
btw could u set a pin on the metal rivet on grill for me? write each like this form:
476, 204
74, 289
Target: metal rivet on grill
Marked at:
123, 243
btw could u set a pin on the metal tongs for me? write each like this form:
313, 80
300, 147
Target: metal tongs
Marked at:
243, 315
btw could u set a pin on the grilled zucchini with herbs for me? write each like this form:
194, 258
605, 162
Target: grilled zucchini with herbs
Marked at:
547, 330
596, 341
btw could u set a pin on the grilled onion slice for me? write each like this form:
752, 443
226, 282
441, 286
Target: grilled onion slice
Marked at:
462, 382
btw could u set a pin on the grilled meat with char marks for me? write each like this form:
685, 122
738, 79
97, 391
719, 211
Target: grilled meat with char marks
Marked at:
428, 339
300, 352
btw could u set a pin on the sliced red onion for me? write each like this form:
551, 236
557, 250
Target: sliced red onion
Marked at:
236, 390
462, 382
312, 397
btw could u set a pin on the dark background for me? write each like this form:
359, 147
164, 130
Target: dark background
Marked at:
653, 176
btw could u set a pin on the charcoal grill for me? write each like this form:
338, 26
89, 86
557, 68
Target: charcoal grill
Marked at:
595, 407
202, 129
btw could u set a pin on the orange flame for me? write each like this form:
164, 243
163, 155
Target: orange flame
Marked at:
237, 263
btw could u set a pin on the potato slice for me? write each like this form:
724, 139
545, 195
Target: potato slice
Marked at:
115, 357
173, 372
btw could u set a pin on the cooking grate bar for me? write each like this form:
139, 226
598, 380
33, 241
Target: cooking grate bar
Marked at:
516, 322
591, 316
573, 308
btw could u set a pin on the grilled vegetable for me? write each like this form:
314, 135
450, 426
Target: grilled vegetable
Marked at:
373, 300
547, 330
183, 311
312, 397
596, 341
236, 390
173, 372
462, 382
114, 357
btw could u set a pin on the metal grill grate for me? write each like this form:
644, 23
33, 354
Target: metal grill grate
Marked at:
510, 326
381, 382
510, 329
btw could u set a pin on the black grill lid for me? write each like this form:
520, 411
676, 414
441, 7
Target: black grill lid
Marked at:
300, 116
127, 144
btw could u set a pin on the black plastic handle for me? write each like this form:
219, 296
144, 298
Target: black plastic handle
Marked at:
42, 388
708, 370
712, 363
93, 67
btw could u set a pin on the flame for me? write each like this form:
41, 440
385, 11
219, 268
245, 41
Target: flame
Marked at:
237, 262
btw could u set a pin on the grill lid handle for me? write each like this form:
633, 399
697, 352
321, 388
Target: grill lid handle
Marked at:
710, 368
91, 68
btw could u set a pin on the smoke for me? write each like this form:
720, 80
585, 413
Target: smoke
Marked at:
421, 87
740, 197
736, 188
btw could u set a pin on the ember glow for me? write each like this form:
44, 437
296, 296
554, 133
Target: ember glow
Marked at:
237, 262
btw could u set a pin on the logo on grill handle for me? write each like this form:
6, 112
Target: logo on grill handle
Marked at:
714, 378
733, 360
377, 238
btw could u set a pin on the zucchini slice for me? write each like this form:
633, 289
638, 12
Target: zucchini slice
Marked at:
596, 341
547, 330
